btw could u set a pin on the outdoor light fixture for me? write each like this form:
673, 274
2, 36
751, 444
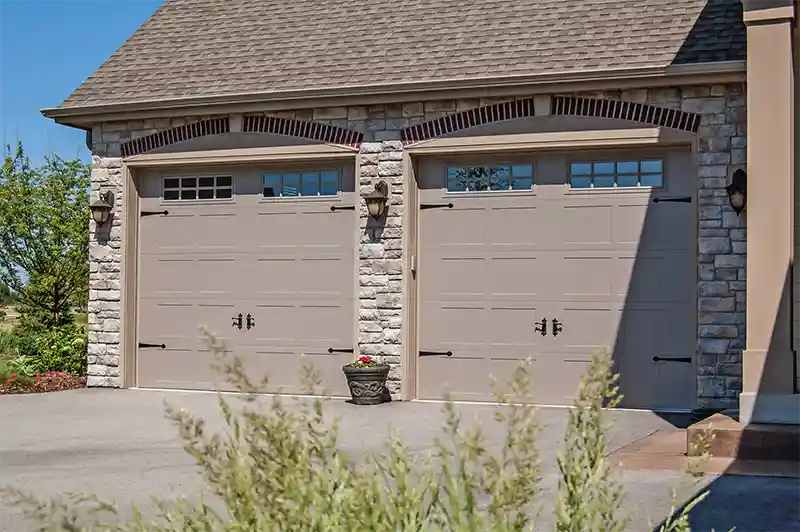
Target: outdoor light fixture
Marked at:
737, 191
101, 207
376, 200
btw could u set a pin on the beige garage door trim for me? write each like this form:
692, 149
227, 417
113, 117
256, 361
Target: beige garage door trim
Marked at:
134, 167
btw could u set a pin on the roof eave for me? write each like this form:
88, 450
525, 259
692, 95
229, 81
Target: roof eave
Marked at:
80, 116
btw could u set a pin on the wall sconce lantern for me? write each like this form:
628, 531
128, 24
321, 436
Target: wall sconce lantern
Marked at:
376, 200
737, 191
101, 207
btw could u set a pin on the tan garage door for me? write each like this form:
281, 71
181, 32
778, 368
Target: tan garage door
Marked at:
261, 243
573, 239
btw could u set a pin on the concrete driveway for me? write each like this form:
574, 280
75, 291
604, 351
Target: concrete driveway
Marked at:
117, 444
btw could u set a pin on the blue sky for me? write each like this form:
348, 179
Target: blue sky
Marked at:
47, 49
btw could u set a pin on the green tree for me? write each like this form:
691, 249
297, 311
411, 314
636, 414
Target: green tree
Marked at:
44, 236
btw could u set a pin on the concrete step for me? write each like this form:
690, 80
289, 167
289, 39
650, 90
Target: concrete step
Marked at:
731, 439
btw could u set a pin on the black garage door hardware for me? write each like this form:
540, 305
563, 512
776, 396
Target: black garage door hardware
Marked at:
687, 360
143, 345
344, 208
436, 206
332, 350
677, 199
435, 353
154, 213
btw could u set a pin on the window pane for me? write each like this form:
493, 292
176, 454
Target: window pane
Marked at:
188, 194
206, 181
328, 188
627, 180
224, 181
603, 181
581, 182
604, 168
456, 185
651, 167
581, 168
269, 192
171, 183
189, 182
628, 167
170, 194
522, 170
291, 184
651, 180
498, 177
310, 184
522, 183
205, 193
224, 193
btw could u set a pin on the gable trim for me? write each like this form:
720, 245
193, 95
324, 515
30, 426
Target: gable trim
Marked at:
478, 116
211, 126
302, 129
623, 110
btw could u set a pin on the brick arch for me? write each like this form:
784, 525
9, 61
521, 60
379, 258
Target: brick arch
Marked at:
251, 124
478, 116
637, 112
210, 126
302, 129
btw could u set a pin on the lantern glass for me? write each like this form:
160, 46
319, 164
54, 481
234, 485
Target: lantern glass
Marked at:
737, 201
376, 206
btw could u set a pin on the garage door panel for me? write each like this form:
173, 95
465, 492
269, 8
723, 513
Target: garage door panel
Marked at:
515, 226
584, 223
650, 277
288, 264
284, 370
186, 231
518, 277
617, 271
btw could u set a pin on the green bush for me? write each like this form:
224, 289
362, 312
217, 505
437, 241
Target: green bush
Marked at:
280, 469
61, 349
17, 341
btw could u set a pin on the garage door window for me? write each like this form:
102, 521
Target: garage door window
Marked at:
305, 184
201, 187
611, 174
487, 178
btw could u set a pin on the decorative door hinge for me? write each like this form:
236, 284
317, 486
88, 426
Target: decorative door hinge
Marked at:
436, 206
435, 353
334, 208
687, 360
332, 350
677, 199
153, 213
143, 345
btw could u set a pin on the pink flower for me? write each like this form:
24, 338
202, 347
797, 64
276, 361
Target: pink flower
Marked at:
365, 359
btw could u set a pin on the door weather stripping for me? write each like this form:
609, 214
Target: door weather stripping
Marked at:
687, 360
143, 345
334, 208
677, 199
332, 350
154, 213
435, 353
436, 206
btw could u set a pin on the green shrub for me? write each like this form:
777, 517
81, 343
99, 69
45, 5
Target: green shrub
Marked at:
17, 341
280, 469
61, 349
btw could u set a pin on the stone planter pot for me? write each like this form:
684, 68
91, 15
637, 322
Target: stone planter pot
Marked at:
367, 385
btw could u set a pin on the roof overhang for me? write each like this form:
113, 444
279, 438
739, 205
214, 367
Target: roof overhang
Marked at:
502, 86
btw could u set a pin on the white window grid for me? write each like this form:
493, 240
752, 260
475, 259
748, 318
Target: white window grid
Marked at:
200, 187
618, 173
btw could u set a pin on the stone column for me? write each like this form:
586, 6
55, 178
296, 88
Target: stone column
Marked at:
768, 359
380, 272
105, 262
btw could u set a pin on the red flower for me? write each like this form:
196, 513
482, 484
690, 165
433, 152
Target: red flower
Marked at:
9, 381
13, 375
365, 359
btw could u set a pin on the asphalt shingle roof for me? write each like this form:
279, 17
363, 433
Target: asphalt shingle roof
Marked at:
195, 48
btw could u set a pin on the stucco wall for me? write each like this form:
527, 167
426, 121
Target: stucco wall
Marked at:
721, 234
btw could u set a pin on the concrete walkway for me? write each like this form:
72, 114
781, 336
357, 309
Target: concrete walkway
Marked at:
117, 444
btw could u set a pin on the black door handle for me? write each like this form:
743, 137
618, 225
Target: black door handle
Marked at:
250, 321
237, 321
144, 345
541, 327
435, 353
557, 327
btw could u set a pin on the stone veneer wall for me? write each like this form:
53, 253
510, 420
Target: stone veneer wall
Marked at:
721, 234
